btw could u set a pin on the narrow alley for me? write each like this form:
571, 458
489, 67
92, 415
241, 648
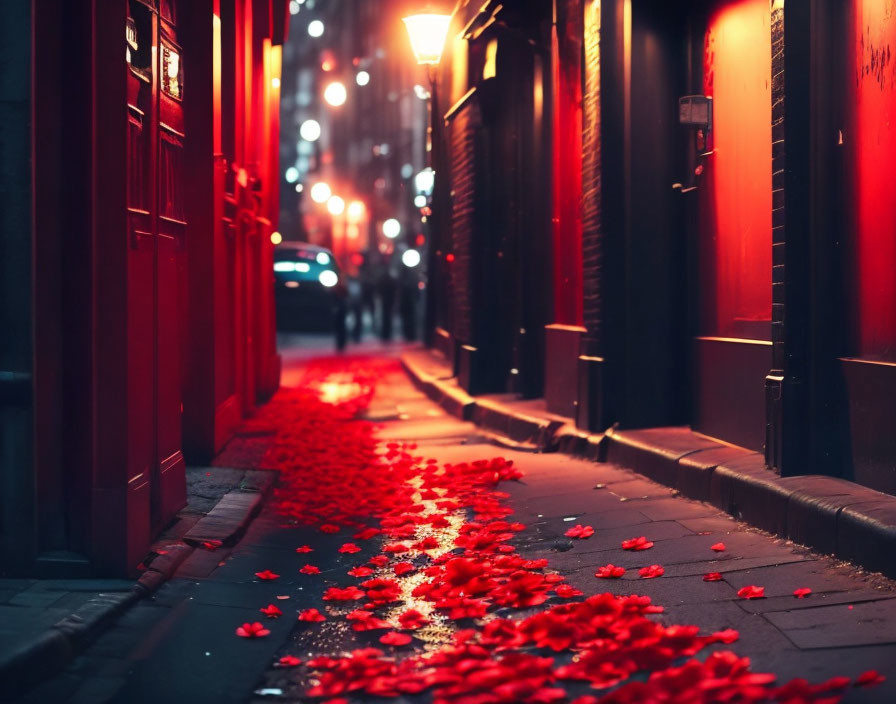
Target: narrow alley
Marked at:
389, 563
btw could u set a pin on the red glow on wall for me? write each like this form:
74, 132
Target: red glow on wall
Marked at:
567, 158
736, 191
870, 142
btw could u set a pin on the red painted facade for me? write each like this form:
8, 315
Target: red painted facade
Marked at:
154, 324
736, 193
870, 140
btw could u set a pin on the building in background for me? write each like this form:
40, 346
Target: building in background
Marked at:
354, 132
139, 203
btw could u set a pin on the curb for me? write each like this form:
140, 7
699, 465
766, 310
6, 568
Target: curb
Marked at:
49, 652
828, 514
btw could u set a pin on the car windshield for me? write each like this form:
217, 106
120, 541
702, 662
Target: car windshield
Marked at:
300, 263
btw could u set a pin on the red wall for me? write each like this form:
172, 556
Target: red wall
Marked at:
567, 182
870, 145
736, 190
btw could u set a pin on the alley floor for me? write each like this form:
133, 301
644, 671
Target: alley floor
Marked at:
328, 560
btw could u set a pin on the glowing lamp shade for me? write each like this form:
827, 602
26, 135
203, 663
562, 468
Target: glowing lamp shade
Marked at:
335, 94
427, 33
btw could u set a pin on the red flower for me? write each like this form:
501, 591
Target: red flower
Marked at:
651, 572
347, 594
304, 548
712, 577
267, 574
428, 543
360, 571
395, 639
395, 547
729, 635
580, 532
609, 572
751, 592
289, 661
412, 619
271, 611
365, 621
311, 616
382, 590
349, 548
310, 569
252, 630
378, 560
869, 678
329, 528
567, 591
367, 533
802, 592
401, 568
640, 543
718, 547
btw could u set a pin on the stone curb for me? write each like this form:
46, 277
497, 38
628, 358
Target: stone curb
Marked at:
827, 514
48, 653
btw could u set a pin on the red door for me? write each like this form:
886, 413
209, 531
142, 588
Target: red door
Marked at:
156, 276
733, 347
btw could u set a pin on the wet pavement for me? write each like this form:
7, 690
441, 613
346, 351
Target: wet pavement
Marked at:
180, 645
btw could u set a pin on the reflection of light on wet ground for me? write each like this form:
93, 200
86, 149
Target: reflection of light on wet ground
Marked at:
441, 629
336, 391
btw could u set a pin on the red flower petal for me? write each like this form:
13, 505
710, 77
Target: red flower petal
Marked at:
751, 592
271, 611
610, 571
651, 572
802, 592
401, 568
412, 619
396, 639
360, 571
347, 594
304, 548
718, 547
580, 532
640, 543
212, 544
310, 569
712, 577
329, 528
869, 678
311, 616
289, 661
252, 630
267, 574
349, 548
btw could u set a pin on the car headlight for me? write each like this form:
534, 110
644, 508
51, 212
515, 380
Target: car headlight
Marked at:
328, 278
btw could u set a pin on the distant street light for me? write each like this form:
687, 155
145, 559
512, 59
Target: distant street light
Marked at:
362, 78
335, 94
410, 258
310, 130
391, 228
291, 175
320, 192
335, 205
355, 210
427, 33
315, 28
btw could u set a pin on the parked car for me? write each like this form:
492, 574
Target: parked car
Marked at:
309, 292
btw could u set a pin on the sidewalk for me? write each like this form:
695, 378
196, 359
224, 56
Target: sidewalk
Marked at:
179, 644
45, 623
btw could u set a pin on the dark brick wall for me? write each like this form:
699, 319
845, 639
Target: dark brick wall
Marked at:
462, 154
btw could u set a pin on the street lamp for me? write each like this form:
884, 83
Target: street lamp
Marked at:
427, 32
